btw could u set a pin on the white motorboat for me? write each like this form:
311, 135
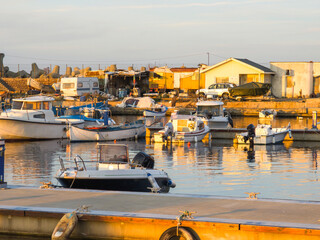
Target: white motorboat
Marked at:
213, 115
33, 118
114, 171
106, 132
182, 128
157, 111
264, 134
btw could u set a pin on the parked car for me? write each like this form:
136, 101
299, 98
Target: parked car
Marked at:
216, 90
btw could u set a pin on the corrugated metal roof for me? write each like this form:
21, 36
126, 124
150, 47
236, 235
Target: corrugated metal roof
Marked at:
183, 69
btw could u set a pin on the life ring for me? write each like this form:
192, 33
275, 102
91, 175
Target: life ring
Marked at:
65, 226
183, 233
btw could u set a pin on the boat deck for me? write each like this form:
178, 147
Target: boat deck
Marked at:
246, 214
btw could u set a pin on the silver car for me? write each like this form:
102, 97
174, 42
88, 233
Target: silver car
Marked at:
216, 90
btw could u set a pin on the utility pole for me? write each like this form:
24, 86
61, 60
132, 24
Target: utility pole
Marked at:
208, 58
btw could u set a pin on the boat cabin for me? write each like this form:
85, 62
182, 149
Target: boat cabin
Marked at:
210, 109
38, 108
33, 103
186, 123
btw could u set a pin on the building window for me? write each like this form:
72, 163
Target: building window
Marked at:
80, 84
222, 79
289, 82
67, 85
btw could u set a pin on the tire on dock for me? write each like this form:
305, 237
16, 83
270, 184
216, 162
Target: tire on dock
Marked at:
183, 233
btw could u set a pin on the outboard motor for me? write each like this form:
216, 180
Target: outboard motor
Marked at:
168, 130
228, 115
143, 160
251, 133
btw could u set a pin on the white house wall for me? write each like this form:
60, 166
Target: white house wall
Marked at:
302, 77
230, 69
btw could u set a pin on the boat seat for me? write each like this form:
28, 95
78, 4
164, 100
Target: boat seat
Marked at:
113, 166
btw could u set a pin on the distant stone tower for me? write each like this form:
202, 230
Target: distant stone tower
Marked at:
68, 72
1, 65
36, 72
113, 68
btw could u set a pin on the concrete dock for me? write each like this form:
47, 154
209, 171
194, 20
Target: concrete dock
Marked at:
126, 215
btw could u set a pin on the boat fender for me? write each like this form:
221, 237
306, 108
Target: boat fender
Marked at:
181, 232
153, 181
65, 226
290, 134
171, 184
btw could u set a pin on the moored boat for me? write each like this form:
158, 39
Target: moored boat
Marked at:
182, 128
158, 111
106, 132
114, 171
90, 114
213, 115
264, 134
33, 118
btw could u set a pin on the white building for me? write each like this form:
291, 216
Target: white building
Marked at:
295, 79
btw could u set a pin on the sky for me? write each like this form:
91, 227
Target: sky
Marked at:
99, 33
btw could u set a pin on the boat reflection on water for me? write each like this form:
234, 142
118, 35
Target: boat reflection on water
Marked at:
215, 168
29, 162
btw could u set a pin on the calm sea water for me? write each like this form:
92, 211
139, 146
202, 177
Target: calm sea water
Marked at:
286, 171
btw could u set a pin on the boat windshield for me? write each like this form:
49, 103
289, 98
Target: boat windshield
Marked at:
210, 110
16, 105
113, 153
30, 105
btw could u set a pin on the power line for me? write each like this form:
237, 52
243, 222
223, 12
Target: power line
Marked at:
112, 61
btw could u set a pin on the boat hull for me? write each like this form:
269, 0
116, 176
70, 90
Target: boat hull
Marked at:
124, 184
12, 129
148, 113
182, 136
77, 134
218, 122
275, 138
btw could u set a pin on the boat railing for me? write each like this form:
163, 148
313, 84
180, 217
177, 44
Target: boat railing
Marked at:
78, 159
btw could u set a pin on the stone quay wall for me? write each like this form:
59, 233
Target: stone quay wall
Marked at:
19, 85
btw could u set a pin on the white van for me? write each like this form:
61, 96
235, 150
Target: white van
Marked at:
77, 86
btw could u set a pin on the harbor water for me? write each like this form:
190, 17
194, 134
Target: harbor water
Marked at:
283, 171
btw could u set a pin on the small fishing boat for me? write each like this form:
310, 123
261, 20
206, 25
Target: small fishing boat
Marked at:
33, 118
114, 171
182, 128
157, 111
264, 134
213, 115
107, 132
90, 114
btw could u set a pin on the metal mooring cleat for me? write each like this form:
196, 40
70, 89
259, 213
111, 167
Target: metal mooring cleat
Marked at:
252, 195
